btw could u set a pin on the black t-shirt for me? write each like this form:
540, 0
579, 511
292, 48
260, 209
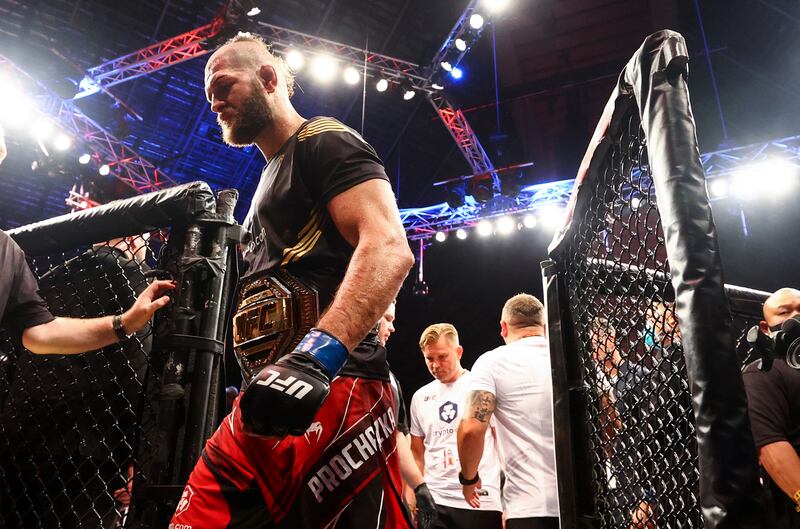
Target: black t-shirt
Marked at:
21, 307
288, 223
773, 399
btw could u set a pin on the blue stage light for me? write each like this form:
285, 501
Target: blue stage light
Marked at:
456, 73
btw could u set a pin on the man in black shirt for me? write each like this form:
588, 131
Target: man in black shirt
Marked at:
774, 404
325, 233
25, 315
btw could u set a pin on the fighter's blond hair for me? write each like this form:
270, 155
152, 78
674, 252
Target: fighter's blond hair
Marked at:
433, 333
523, 310
287, 73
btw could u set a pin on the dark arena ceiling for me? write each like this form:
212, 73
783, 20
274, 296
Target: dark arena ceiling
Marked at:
557, 61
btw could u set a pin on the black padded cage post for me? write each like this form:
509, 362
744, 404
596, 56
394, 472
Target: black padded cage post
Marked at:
650, 411
103, 439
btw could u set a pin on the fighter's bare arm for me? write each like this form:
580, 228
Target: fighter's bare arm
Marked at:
367, 217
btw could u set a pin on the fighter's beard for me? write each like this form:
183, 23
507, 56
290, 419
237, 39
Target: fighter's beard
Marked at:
251, 118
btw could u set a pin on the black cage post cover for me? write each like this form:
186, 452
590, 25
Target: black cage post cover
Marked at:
654, 81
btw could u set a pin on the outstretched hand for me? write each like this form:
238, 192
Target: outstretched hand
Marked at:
149, 301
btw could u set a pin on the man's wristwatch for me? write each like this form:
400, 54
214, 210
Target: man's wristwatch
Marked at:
465, 481
119, 330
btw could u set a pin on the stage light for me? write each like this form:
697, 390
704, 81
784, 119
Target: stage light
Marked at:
437, 86
84, 158
253, 12
780, 176
529, 221
460, 44
447, 66
495, 6
551, 216
15, 114
351, 75
505, 225
10, 99
420, 289
42, 129
408, 95
323, 68
382, 85
718, 188
456, 73
476, 21
104, 170
635, 202
482, 190
62, 142
461, 234
294, 60
484, 228
440, 236
746, 185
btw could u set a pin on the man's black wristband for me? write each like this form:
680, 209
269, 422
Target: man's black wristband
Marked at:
465, 481
119, 330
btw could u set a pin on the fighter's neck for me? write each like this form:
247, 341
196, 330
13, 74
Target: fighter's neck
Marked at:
277, 133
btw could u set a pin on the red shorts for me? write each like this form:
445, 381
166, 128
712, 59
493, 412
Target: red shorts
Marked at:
344, 469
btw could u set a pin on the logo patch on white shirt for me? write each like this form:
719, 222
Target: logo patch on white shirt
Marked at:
448, 411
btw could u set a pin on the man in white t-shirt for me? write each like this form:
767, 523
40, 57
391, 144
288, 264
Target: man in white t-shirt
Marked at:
436, 410
512, 384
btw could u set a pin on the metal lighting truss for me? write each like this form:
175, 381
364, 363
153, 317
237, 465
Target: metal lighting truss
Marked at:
125, 163
453, 118
731, 160
423, 223
150, 59
465, 139
191, 44
282, 39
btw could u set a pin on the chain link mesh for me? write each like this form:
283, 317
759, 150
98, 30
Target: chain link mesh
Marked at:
640, 424
70, 424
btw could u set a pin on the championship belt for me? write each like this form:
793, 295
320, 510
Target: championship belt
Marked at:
274, 310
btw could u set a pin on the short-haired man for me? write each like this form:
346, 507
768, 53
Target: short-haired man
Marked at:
310, 442
512, 384
436, 410
773, 398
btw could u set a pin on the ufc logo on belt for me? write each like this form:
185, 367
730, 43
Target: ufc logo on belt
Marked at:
289, 385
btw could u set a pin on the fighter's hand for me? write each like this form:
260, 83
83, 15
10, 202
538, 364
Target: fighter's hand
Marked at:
149, 301
472, 494
426, 513
285, 396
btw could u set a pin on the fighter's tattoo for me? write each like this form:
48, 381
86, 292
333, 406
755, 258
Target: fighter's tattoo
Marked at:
481, 405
